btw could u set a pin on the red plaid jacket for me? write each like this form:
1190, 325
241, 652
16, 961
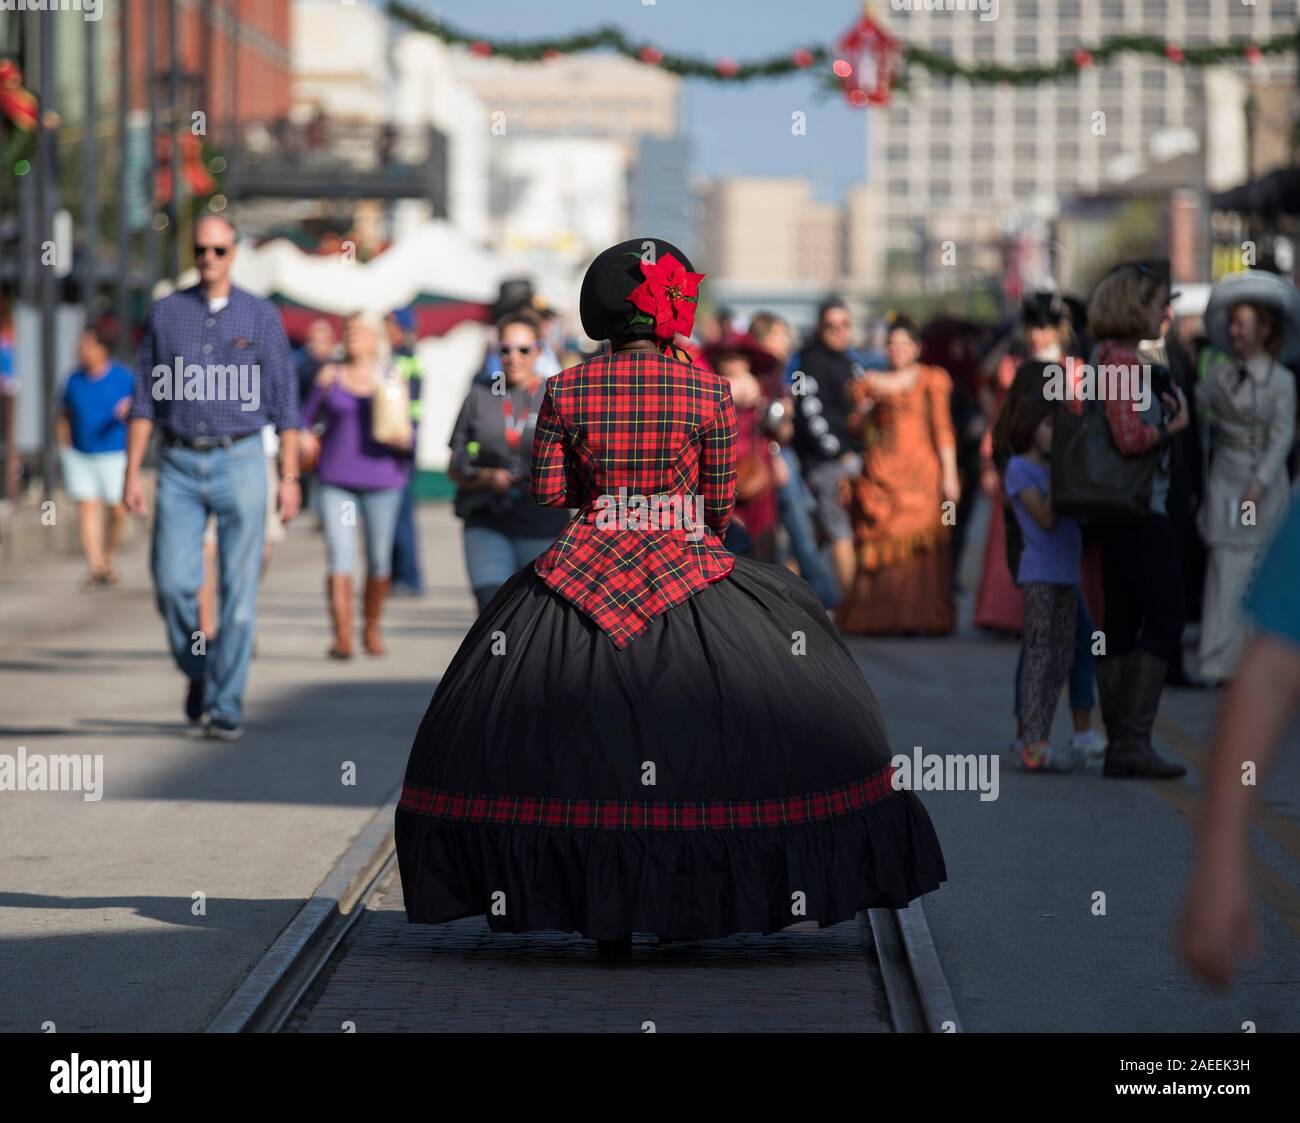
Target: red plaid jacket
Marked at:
644, 447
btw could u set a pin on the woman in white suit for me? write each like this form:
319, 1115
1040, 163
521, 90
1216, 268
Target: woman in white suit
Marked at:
1249, 402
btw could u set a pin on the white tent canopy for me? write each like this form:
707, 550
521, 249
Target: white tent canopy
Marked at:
434, 258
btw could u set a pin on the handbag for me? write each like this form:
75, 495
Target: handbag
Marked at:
390, 416
1091, 479
481, 502
754, 477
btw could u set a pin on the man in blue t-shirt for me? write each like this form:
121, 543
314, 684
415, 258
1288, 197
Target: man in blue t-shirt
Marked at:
12, 466
92, 433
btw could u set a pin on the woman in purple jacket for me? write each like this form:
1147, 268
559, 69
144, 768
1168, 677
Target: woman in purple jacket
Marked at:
357, 476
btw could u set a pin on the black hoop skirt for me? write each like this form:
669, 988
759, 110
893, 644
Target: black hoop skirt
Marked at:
728, 771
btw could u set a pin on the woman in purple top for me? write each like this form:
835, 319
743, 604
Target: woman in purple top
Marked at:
357, 475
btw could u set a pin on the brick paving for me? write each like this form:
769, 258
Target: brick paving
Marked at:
391, 976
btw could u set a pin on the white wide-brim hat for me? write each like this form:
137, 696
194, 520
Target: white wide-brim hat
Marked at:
1255, 286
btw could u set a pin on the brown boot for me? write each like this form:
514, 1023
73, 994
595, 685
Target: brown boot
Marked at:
1138, 701
376, 591
339, 589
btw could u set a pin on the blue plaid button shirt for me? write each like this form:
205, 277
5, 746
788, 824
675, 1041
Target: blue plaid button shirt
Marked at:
201, 373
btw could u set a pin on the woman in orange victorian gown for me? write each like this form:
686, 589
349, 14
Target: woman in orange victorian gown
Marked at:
909, 478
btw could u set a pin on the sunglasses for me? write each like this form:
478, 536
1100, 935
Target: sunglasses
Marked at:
517, 350
202, 251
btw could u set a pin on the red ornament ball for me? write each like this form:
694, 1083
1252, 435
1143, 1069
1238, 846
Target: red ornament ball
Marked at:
1174, 54
1254, 54
858, 97
650, 55
727, 67
842, 67
481, 48
802, 57
1082, 58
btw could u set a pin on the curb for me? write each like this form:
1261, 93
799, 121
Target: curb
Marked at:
920, 1000
268, 995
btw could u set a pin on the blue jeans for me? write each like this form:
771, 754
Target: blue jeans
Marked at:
406, 546
378, 510
796, 505
492, 557
229, 483
1082, 692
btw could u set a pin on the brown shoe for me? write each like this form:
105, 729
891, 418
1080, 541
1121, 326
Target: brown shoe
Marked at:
339, 591
376, 591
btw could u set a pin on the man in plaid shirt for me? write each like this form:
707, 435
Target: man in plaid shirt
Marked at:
213, 369
636, 431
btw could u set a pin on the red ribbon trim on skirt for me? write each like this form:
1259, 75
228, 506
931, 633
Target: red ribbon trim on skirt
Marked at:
620, 814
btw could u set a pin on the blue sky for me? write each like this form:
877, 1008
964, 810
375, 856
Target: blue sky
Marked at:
735, 130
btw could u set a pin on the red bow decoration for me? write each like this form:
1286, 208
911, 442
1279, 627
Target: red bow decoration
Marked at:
666, 298
16, 103
194, 170
868, 63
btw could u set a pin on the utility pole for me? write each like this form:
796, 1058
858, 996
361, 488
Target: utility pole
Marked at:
90, 176
47, 159
151, 82
123, 181
175, 117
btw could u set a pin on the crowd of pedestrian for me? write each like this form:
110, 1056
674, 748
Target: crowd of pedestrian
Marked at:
859, 460
856, 467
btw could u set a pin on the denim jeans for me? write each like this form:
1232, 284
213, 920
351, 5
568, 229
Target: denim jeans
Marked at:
377, 510
406, 546
796, 504
229, 483
1082, 670
492, 557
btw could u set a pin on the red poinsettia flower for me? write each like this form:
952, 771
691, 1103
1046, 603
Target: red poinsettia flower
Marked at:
667, 296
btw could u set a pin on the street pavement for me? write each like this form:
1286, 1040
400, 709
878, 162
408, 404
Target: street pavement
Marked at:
1015, 924
97, 929
99, 926
397, 977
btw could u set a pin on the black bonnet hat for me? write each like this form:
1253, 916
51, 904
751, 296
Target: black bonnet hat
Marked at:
1043, 310
603, 303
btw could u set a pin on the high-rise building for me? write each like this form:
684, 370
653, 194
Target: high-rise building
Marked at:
954, 163
581, 151
770, 230
583, 95
660, 202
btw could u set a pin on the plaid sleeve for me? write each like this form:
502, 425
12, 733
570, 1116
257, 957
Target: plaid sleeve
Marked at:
718, 465
552, 479
142, 403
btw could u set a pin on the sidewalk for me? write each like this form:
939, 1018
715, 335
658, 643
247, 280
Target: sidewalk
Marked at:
99, 923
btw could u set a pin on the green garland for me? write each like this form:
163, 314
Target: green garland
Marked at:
1084, 57
537, 50
803, 58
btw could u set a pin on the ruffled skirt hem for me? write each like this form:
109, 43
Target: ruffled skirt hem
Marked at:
687, 884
